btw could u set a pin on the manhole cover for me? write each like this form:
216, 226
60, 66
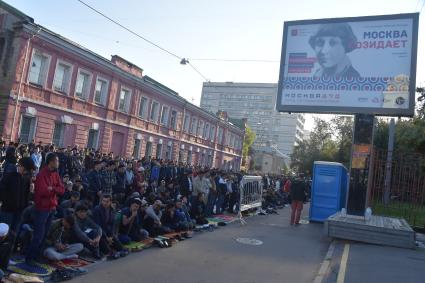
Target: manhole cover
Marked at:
249, 241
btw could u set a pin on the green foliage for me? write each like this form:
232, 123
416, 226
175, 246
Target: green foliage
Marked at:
247, 143
409, 136
329, 141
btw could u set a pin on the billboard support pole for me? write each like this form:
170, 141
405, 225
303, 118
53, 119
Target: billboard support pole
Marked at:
361, 152
388, 167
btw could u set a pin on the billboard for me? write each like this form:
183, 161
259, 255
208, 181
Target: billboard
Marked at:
349, 65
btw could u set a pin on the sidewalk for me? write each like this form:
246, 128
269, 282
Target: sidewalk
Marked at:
371, 263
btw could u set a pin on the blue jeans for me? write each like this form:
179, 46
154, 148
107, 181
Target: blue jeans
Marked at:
210, 204
12, 219
42, 222
219, 204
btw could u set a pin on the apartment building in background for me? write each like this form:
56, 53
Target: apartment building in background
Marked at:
53, 90
256, 102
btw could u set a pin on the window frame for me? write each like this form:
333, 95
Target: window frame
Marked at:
127, 101
68, 83
172, 125
194, 126
144, 115
47, 68
165, 109
97, 139
186, 128
31, 135
62, 134
212, 133
102, 98
85, 96
154, 119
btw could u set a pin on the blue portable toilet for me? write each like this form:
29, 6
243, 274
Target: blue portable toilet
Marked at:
329, 190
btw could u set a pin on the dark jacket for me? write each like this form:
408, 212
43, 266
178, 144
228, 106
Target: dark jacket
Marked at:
58, 234
105, 219
119, 187
82, 225
14, 192
95, 181
298, 190
171, 221
185, 189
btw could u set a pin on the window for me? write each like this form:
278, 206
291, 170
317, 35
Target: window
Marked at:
181, 154
93, 139
220, 136
154, 111
207, 131
26, 134
168, 153
194, 126
124, 100
143, 108
58, 133
189, 157
39, 68
173, 120
101, 91
186, 123
136, 149
201, 128
2, 44
148, 151
164, 115
82, 87
62, 77
212, 133
158, 151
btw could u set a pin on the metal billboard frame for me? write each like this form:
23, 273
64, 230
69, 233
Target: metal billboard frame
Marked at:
352, 110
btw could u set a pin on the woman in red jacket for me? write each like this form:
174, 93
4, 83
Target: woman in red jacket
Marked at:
48, 186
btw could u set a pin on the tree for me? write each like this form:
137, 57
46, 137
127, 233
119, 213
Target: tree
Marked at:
329, 141
247, 143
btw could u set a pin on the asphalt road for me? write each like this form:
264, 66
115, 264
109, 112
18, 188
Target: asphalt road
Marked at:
288, 254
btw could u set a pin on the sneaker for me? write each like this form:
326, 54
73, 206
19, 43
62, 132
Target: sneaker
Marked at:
124, 253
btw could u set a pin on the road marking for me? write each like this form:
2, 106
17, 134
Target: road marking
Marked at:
325, 264
343, 265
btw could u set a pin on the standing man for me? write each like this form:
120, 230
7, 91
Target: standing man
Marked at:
298, 193
95, 183
48, 186
37, 158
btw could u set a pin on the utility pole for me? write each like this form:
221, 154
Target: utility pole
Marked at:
388, 166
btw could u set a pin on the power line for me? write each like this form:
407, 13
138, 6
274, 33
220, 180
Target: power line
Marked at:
129, 30
143, 38
207, 80
235, 60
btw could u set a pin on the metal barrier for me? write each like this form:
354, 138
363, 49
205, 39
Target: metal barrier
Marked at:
251, 194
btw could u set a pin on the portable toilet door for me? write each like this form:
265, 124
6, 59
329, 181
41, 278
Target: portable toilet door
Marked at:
328, 190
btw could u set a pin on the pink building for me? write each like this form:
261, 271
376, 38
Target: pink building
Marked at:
54, 90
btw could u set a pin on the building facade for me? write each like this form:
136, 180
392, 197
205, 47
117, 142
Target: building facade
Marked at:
54, 91
256, 102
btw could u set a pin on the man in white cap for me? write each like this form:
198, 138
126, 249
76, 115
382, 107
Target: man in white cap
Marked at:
6, 246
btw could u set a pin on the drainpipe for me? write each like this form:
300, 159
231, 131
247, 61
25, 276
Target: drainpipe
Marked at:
21, 82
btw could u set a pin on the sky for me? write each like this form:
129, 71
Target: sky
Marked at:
201, 29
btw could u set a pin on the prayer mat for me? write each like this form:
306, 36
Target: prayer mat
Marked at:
77, 262
37, 269
14, 277
135, 246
